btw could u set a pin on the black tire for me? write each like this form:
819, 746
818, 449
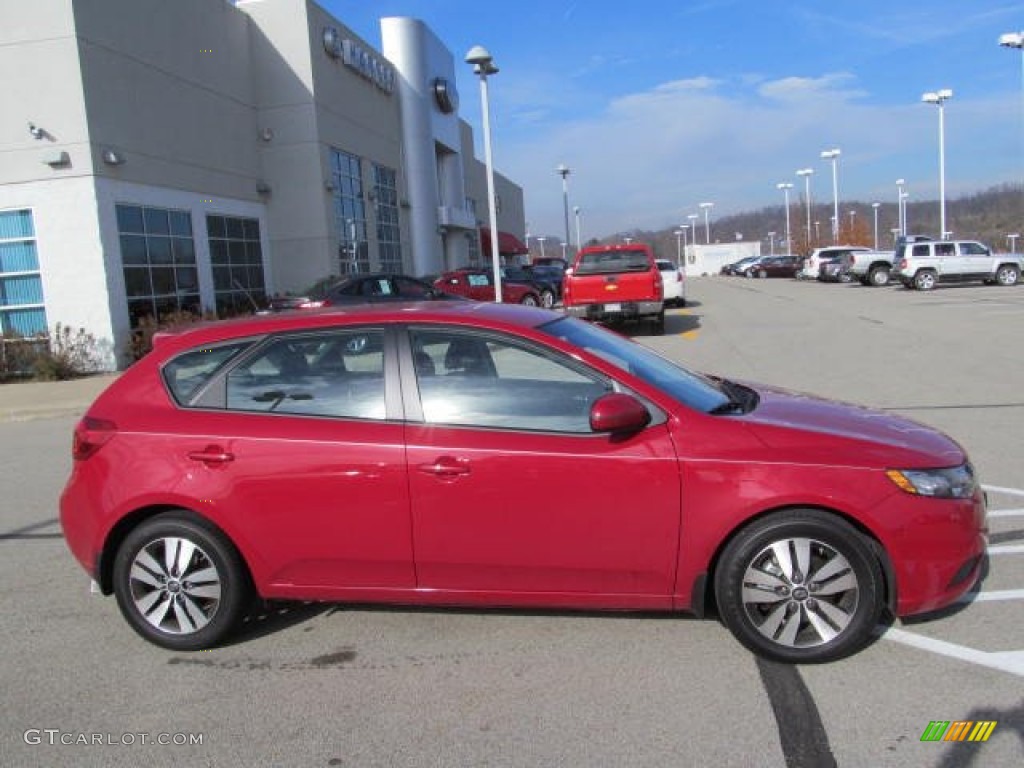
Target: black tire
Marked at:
762, 274
878, 276
781, 613
530, 300
160, 602
547, 298
1007, 275
925, 280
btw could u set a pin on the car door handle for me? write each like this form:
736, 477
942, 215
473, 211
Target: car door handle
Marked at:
445, 466
212, 454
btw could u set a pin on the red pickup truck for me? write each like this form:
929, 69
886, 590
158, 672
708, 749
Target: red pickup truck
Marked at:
615, 283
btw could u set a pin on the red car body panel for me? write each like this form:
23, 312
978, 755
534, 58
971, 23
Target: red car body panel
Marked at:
405, 512
459, 283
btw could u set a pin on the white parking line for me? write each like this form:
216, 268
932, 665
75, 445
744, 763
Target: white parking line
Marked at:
1007, 661
1007, 491
996, 594
1007, 549
1006, 512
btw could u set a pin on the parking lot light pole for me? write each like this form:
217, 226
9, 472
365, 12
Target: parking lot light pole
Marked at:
1016, 40
707, 227
833, 155
541, 239
785, 186
807, 173
940, 98
563, 171
483, 65
579, 239
875, 207
901, 216
679, 246
1012, 240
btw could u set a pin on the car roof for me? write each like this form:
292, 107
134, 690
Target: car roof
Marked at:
502, 316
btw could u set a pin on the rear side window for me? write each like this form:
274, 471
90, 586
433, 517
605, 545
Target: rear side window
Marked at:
613, 261
922, 250
186, 374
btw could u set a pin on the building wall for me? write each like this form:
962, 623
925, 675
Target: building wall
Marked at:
229, 109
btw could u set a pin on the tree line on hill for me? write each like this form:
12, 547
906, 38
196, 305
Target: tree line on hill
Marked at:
989, 216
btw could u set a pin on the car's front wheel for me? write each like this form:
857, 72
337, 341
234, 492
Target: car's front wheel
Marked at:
800, 586
179, 582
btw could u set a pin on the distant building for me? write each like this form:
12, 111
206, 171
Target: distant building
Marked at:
198, 154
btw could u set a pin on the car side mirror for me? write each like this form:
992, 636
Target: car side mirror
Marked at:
618, 413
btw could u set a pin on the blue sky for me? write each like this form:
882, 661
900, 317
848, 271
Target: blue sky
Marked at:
659, 105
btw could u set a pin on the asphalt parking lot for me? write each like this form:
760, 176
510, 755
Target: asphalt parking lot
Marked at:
334, 685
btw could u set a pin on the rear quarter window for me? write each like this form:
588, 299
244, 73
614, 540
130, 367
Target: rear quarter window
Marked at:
187, 373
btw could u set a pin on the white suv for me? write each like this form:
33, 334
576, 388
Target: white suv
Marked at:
925, 265
812, 264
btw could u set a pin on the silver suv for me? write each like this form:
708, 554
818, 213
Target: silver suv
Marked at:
925, 265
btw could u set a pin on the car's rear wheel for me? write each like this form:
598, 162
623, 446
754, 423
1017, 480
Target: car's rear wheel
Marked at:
878, 276
924, 280
1007, 275
530, 300
800, 586
180, 583
547, 298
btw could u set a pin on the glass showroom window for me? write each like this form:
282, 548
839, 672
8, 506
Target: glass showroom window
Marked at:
349, 213
21, 289
389, 233
159, 259
237, 260
473, 238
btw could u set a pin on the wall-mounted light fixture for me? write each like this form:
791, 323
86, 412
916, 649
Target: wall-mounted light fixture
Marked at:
262, 188
36, 131
267, 134
56, 158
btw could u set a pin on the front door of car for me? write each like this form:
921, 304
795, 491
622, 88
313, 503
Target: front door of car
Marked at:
512, 493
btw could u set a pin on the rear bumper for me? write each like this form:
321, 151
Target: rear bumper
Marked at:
620, 310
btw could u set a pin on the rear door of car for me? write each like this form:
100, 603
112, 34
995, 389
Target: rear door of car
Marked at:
512, 495
948, 262
298, 452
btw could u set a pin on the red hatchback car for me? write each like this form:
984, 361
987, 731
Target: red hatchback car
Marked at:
376, 454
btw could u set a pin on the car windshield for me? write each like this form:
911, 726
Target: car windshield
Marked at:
691, 389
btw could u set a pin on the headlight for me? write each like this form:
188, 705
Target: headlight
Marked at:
950, 483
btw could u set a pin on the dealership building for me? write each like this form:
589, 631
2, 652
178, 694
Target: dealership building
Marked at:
200, 155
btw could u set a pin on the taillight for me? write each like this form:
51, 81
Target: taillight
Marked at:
90, 435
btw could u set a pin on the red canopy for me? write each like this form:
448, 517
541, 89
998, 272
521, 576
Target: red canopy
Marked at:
508, 244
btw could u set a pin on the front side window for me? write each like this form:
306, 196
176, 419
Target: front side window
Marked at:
339, 374
973, 249
159, 261
237, 260
478, 380
22, 312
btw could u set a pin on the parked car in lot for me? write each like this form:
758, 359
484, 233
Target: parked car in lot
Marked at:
376, 454
551, 261
812, 264
478, 284
923, 265
833, 271
737, 267
360, 289
773, 266
547, 288
673, 280
616, 284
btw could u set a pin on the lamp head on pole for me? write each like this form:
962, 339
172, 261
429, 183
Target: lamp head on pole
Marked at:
830, 154
937, 97
562, 170
805, 172
1012, 40
482, 61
